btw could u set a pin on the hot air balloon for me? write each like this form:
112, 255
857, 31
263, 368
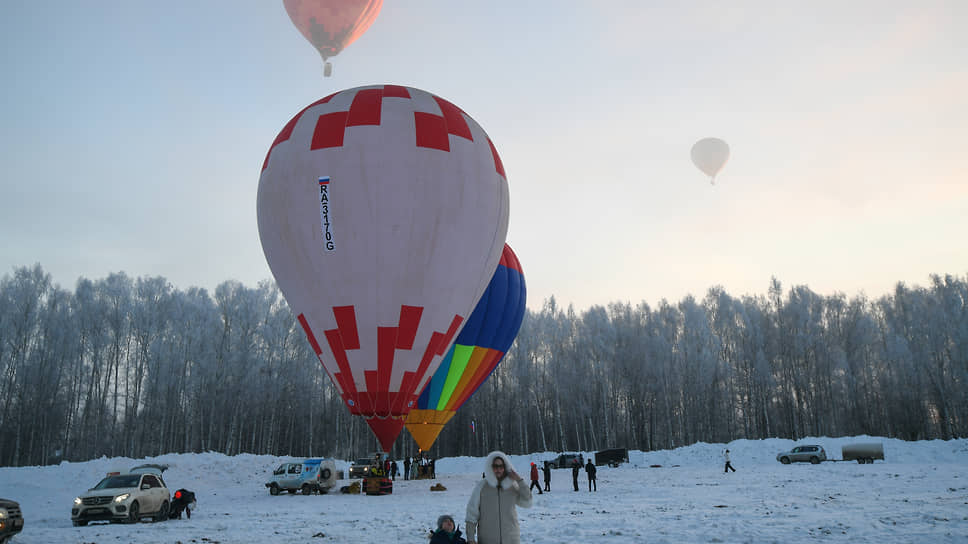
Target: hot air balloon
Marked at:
331, 25
710, 155
382, 213
479, 348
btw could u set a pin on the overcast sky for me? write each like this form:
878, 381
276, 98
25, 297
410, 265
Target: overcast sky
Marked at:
133, 134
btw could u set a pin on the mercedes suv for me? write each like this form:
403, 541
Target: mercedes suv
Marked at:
125, 497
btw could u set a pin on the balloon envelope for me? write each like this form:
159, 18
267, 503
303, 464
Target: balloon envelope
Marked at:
382, 212
710, 155
479, 348
331, 25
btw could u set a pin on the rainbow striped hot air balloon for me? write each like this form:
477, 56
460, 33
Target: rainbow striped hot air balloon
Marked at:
480, 346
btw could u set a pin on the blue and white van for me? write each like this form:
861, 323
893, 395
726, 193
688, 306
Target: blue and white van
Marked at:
306, 476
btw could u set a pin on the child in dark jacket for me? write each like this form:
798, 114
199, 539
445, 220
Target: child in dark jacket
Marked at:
447, 532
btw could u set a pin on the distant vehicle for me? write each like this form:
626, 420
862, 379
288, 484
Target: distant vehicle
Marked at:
863, 453
803, 454
612, 457
566, 460
131, 496
11, 520
364, 467
308, 476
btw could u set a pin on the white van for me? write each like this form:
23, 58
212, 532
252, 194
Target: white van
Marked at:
308, 476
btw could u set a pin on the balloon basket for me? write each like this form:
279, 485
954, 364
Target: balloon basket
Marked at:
378, 486
327, 69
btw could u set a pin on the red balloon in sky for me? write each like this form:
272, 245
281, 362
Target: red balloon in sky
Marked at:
331, 25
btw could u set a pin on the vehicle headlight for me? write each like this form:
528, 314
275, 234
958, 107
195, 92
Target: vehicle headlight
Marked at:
3, 513
77, 501
122, 498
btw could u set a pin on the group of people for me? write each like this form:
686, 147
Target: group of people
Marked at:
492, 515
418, 467
576, 466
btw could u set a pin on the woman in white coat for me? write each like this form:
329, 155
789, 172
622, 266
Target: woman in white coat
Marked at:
492, 515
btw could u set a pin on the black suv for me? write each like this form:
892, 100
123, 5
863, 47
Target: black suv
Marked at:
566, 460
11, 520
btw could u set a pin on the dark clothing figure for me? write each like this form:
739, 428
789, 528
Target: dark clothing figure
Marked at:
534, 479
393, 471
441, 536
547, 476
575, 468
182, 501
447, 532
406, 468
591, 470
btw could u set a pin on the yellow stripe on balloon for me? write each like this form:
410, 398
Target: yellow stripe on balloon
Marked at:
473, 364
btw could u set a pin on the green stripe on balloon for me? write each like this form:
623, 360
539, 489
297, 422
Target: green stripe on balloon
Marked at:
462, 354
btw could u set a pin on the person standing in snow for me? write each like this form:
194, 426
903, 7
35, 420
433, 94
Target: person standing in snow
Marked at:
547, 476
406, 468
729, 466
447, 532
590, 470
575, 468
393, 470
492, 515
534, 479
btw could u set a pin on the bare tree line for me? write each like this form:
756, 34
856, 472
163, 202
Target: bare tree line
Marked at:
133, 367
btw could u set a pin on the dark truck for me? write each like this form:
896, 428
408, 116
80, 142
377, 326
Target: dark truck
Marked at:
612, 457
11, 520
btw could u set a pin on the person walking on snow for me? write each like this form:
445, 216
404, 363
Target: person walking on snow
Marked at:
575, 467
547, 476
591, 470
729, 466
534, 479
492, 515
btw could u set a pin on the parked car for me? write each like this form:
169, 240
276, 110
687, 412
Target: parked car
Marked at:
308, 476
803, 454
131, 496
11, 520
361, 467
566, 460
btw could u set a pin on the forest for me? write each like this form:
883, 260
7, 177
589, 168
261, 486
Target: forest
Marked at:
134, 367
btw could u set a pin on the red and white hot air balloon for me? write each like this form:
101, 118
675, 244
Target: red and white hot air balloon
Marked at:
383, 212
331, 25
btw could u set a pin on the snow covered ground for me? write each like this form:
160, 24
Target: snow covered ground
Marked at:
918, 494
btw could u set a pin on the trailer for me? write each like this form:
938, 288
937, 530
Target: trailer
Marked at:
863, 452
612, 457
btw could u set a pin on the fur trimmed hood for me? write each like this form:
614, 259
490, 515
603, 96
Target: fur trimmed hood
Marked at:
489, 476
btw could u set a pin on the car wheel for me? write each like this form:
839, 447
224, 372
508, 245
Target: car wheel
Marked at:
273, 489
307, 489
815, 460
134, 513
162, 514
785, 460
80, 523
